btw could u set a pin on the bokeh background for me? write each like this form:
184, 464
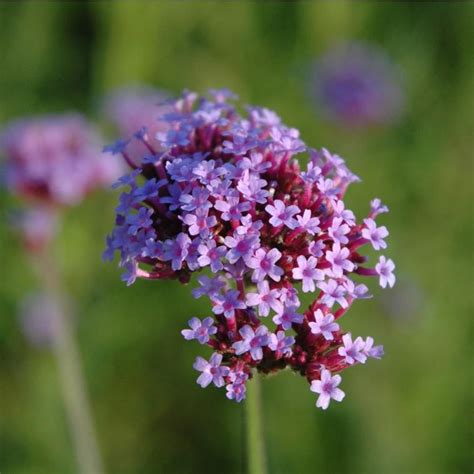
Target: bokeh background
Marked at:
410, 412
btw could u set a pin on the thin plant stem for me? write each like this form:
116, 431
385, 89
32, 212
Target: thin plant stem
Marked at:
70, 372
256, 458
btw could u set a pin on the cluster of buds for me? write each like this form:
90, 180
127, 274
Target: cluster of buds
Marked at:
223, 192
52, 162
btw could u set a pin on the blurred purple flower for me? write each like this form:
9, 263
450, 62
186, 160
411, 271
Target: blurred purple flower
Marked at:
55, 160
133, 109
356, 84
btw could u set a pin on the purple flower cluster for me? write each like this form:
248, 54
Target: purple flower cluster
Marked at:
55, 160
225, 193
356, 84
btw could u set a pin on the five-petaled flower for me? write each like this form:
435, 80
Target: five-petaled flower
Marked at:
324, 325
327, 389
212, 371
200, 330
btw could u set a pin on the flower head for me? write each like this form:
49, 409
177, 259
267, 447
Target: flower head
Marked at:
224, 193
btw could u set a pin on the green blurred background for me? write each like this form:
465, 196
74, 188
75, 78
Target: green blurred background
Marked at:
410, 412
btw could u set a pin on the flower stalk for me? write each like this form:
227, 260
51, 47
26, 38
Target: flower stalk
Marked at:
70, 372
256, 454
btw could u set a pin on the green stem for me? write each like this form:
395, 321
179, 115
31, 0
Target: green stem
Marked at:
70, 373
256, 459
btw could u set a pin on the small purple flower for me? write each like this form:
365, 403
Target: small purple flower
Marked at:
212, 371
356, 291
210, 287
327, 389
241, 246
140, 220
252, 341
181, 169
339, 259
153, 249
374, 234
328, 188
307, 271
198, 199
131, 272
127, 179
282, 214
148, 190
228, 303
287, 140
177, 250
280, 342
370, 351
231, 208
200, 223
174, 137
308, 223
249, 226
352, 351
264, 263
265, 299
263, 116
119, 146
384, 269
312, 174
376, 208
236, 389
287, 317
193, 254
345, 214
211, 255
173, 200
333, 293
338, 231
206, 171
200, 330
316, 248
324, 325
289, 297
251, 187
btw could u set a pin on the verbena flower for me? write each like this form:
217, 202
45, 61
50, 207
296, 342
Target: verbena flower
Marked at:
234, 201
55, 160
356, 84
